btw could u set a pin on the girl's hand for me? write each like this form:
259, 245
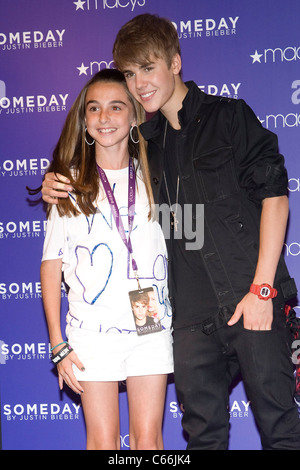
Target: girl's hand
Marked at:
66, 374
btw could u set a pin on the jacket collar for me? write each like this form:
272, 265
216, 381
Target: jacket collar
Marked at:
190, 106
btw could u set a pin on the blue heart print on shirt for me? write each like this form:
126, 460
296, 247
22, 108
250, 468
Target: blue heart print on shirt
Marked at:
93, 270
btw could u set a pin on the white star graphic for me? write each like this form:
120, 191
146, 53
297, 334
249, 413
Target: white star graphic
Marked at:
256, 57
82, 69
260, 120
79, 4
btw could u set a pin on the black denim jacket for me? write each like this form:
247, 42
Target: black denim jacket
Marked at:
230, 163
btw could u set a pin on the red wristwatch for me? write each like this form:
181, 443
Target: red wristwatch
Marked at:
264, 291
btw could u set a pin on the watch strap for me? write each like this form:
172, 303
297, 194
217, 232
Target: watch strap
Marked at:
263, 291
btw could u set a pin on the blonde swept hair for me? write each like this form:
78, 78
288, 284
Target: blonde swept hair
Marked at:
73, 158
143, 37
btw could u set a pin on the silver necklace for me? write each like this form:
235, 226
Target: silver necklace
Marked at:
174, 221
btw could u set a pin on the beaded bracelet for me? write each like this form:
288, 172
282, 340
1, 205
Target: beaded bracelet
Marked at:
58, 357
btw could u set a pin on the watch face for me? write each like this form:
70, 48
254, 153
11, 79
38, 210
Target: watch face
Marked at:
265, 291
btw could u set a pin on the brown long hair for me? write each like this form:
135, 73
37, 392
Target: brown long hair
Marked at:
75, 159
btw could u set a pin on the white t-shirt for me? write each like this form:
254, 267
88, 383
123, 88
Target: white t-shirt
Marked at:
96, 263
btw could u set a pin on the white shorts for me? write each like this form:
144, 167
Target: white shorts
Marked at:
114, 357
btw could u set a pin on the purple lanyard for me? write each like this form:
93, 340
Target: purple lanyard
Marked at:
115, 210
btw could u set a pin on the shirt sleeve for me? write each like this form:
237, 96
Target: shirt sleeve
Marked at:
56, 238
260, 166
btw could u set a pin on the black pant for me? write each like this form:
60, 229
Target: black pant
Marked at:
205, 366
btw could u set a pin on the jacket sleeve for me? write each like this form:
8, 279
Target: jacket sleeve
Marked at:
260, 166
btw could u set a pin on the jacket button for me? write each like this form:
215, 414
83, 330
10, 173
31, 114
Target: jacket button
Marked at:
155, 180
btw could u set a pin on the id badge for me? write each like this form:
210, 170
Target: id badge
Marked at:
145, 311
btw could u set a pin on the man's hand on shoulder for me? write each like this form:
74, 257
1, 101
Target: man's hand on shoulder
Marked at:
55, 186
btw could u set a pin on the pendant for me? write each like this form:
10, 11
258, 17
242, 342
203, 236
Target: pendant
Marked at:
174, 222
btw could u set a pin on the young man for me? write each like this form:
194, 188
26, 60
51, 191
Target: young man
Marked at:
209, 150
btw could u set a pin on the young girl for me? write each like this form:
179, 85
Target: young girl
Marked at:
107, 244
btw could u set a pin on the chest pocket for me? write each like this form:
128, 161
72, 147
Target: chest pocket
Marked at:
216, 174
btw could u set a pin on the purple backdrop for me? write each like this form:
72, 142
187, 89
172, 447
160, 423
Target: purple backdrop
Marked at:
48, 50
